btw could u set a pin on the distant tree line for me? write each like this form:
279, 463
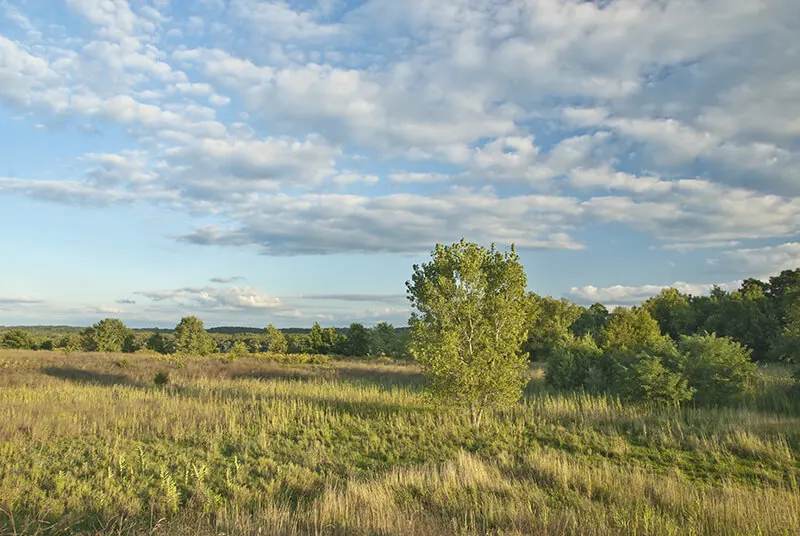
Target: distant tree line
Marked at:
190, 337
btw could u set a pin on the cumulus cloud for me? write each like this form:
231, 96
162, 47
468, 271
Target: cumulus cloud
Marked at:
523, 121
215, 298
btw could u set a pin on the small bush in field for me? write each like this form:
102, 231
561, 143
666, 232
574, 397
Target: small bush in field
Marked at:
718, 368
161, 378
123, 363
239, 349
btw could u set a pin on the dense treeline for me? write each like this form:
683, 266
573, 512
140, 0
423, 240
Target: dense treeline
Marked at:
674, 347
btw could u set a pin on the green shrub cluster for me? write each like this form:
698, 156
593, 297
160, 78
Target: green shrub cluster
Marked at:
704, 368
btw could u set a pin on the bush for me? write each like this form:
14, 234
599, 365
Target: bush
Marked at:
18, 339
161, 378
239, 349
571, 366
652, 374
718, 368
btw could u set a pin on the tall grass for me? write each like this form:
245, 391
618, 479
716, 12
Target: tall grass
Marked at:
89, 444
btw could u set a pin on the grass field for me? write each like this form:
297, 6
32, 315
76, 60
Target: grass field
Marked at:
89, 444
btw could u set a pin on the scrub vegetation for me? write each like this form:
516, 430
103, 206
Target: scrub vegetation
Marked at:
498, 413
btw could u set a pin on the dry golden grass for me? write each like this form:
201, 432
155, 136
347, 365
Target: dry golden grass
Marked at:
89, 444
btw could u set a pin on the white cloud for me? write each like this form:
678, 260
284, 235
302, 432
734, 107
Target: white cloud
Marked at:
215, 298
632, 295
765, 261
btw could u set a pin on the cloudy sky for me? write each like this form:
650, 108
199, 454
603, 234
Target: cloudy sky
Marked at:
287, 161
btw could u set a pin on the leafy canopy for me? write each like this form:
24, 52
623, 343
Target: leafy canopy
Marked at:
192, 338
470, 321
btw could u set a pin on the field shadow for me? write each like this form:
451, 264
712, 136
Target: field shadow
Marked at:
82, 376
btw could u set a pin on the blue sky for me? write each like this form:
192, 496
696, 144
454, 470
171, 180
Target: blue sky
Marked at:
255, 161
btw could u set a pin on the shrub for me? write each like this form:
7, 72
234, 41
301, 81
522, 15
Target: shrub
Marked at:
652, 374
239, 349
18, 339
718, 368
161, 378
571, 366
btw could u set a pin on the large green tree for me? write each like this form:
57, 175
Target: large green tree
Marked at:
108, 335
468, 325
357, 343
192, 338
673, 312
384, 340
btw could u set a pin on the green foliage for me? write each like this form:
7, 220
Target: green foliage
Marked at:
315, 342
17, 339
191, 337
108, 335
357, 343
591, 321
628, 329
673, 312
157, 342
718, 368
575, 365
469, 323
549, 323
276, 341
239, 349
748, 316
652, 373
384, 341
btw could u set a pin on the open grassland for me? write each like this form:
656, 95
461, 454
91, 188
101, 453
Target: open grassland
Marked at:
89, 444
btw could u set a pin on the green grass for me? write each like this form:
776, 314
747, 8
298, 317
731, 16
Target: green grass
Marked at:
90, 444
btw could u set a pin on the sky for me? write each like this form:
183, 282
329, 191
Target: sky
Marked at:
288, 161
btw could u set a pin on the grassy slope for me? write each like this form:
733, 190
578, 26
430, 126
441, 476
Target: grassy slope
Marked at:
88, 443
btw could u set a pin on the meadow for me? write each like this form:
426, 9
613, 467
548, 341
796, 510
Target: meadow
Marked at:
91, 444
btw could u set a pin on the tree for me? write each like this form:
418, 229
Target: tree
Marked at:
108, 335
384, 340
549, 323
18, 339
315, 342
468, 325
276, 341
629, 328
788, 345
192, 338
158, 343
358, 340
672, 311
591, 321
330, 340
